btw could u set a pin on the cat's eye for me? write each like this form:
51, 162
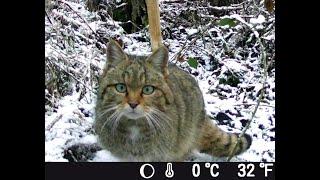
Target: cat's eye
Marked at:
121, 88
147, 89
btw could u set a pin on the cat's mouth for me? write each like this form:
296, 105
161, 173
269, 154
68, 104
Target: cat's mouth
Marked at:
133, 113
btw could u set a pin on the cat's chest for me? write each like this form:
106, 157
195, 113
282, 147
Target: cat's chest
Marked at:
133, 133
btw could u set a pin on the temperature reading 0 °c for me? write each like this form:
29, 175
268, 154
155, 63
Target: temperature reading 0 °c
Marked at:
212, 167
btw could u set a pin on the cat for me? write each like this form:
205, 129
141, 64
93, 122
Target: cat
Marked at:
149, 110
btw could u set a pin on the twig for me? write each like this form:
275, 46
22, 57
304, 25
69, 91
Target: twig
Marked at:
185, 44
245, 104
221, 9
48, 18
120, 5
53, 122
173, 1
79, 17
70, 75
264, 60
218, 95
73, 157
132, 24
221, 62
248, 124
239, 4
97, 35
68, 59
255, 5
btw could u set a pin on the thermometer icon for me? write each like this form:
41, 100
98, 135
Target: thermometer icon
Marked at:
169, 172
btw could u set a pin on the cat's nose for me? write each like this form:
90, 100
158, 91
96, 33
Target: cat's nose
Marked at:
133, 105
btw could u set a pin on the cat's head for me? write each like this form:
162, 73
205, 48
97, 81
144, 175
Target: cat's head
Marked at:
133, 86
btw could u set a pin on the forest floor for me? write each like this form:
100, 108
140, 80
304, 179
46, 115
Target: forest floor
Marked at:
223, 48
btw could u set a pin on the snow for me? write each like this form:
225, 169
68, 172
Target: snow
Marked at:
105, 156
68, 130
259, 20
191, 31
69, 118
269, 37
233, 65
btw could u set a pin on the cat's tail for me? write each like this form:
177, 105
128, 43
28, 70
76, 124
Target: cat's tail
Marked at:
216, 142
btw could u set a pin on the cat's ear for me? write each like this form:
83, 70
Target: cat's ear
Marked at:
115, 54
159, 60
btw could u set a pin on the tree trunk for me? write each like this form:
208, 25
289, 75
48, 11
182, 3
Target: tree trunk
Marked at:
154, 24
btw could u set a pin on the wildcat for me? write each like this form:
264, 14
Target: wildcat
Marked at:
149, 110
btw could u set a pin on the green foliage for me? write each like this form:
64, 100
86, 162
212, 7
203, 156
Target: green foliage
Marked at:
193, 62
227, 21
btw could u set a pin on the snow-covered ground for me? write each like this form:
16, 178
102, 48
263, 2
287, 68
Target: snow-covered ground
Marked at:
229, 73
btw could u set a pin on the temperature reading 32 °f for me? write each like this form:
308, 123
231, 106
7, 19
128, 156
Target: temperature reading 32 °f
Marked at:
267, 168
246, 170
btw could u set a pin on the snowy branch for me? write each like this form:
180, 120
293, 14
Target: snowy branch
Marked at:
71, 75
265, 75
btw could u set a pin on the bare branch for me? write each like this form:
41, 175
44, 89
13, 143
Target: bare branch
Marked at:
48, 18
48, 128
57, 65
264, 61
62, 1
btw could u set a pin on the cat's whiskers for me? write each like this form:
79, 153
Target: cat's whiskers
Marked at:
115, 121
161, 116
150, 121
108, 109
115, 116
157, 120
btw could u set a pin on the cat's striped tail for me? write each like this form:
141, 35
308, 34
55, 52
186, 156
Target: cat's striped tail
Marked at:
216, 142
